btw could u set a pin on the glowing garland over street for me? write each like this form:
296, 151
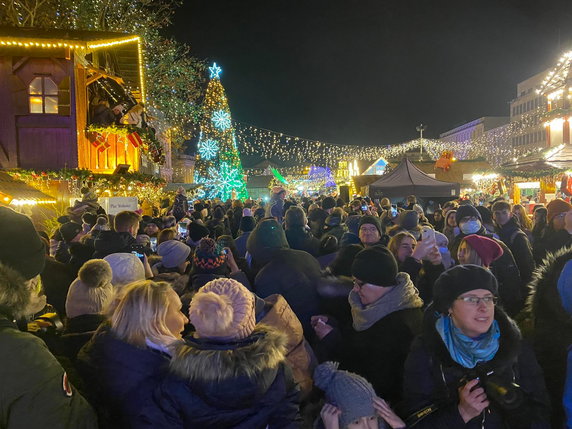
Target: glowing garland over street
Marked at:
495, 146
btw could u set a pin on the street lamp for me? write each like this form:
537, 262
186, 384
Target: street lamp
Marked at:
420, 128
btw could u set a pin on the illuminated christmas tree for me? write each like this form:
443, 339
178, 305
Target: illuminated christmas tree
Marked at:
218, 164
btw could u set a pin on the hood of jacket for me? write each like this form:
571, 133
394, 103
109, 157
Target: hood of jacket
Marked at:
113, 242
544, 302
231, 374
509, 343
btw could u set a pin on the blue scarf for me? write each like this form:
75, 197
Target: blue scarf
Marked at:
467, 351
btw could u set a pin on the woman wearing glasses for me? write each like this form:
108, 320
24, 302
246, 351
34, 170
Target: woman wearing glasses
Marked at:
470, 367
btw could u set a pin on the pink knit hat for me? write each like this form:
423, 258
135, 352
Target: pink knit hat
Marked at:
223, 309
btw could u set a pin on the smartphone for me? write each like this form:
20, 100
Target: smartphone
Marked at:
141, 256
364, 208
153, 243
182, 229
394, 211
428, 236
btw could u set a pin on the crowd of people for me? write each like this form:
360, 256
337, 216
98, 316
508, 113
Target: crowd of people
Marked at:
294, 313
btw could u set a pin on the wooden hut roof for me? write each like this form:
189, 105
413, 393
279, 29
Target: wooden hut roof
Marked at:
18, 190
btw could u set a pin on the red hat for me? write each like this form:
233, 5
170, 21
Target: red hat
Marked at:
487, 249
555, 207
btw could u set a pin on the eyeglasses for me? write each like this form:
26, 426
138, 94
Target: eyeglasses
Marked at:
476, 300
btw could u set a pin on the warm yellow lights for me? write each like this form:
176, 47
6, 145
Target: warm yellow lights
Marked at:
141, 73
553, 151
528, 185
114, 42
480, 177
24, 202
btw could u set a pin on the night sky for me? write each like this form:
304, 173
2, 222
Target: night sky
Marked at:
367, 72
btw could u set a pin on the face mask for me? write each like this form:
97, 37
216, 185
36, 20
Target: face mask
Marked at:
456, 231
470, 227
443, 250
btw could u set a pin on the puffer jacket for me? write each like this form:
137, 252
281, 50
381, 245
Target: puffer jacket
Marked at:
432, 379
241, 384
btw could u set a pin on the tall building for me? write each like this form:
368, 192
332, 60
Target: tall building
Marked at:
473, 129
528, 101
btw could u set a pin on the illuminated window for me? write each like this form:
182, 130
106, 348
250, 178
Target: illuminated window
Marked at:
43, 95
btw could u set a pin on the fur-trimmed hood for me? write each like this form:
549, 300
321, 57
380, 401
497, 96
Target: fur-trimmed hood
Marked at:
509, 343
217, 371
544, 303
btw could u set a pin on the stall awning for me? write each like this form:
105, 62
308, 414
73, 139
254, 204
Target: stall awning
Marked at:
17, 193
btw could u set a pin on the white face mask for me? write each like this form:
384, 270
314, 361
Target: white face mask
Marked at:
470, 227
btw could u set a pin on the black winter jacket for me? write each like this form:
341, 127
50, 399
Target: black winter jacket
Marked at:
301, 239
294, 274
109, 242
517, 241
423, 275
433, 378
241, 384
552, 332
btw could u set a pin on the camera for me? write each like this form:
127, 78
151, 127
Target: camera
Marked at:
506, 394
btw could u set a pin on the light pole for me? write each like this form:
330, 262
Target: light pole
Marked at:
420, 129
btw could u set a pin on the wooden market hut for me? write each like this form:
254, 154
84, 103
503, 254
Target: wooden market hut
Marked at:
49, 80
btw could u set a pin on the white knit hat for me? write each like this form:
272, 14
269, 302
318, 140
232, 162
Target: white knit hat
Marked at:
89, 293
126, 268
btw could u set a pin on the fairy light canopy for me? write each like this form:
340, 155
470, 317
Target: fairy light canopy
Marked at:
128, 47
558, 78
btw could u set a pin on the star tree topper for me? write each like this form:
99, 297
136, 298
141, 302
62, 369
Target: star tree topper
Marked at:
215, 71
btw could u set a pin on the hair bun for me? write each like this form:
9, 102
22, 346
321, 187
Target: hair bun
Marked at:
324, 374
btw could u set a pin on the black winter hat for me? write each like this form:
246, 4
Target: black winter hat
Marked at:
197, 231
69, 230
20, 246
459, 280
247, 223
467, 210
375, 265
374, 220
328, 203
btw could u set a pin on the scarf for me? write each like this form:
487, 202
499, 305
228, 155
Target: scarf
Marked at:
400, 297
467, 351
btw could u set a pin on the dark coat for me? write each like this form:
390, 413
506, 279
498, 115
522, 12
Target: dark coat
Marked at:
240, 242
180, 206
56, 280
379, 352
294, 274
239, 384
433, 378
32, 393
77, 332
300, 238
512, 292
550, 242
109, 242
423, 275
517, 241
121, 377
552, 332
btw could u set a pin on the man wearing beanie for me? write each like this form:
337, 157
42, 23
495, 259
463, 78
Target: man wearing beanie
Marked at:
370, 232
294, 274
386, 316
470, 360
505, 268
559, 231
32, 379
247, 224
231, 372
70, 232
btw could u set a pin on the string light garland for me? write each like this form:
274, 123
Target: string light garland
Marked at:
218, 164
495, 146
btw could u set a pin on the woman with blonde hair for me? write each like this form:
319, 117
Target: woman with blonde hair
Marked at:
519, 212
128, 355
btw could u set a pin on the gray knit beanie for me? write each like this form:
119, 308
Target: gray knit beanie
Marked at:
349, 392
